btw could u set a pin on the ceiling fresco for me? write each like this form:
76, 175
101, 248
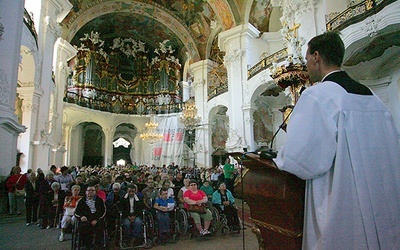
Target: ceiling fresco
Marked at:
188, 24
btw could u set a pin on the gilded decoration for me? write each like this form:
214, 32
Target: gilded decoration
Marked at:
218, 75
355, 12
125, 76
292, 74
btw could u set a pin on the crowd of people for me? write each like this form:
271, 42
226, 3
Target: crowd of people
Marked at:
94, 196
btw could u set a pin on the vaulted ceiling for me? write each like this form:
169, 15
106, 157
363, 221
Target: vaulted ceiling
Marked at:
191, 25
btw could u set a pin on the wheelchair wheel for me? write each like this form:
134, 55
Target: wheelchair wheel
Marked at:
175, 238
156, 240
150, 226
215, 221
75, 238
182, 221
224, 230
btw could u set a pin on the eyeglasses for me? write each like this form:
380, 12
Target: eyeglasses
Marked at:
91, 190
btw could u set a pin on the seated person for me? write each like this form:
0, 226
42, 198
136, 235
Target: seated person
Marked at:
112, 205
168, 185
181, 202
69, 209
164, 204
90, 212
209, 190
194, 196
132, 206
150, 194
99, 193
224, 201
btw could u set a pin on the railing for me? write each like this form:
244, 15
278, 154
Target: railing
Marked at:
122, 106
356, 13
214, 91
31, 25
266, 62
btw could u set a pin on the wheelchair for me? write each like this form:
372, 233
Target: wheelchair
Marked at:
77, 239
174, 234
149, 233
220, 222
186, 226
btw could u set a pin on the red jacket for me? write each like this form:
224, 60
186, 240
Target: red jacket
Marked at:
12, 182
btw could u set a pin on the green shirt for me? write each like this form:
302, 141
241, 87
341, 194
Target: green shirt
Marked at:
229, 169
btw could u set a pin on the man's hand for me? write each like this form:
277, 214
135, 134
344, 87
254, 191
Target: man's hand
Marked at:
83, 219
94, 222
225, 203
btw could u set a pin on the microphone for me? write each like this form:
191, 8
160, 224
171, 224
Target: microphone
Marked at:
270, 153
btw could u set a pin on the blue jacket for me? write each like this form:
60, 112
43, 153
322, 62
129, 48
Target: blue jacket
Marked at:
217, 200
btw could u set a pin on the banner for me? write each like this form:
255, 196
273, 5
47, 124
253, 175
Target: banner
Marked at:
170, 148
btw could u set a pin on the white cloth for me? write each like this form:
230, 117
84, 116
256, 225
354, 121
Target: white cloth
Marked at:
346, 148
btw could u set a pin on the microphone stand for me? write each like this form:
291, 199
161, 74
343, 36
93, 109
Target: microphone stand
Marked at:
270, 154
242, 190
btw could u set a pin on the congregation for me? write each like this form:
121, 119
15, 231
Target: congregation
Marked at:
53, 199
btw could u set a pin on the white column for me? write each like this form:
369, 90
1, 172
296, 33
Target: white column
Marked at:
63, 52
199, 71
30, 108
108, 149
236, 43
11, 14
249, 128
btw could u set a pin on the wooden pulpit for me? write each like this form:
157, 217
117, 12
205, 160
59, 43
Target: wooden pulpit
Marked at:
276, 201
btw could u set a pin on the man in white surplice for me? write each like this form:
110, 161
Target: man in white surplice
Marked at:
343, 141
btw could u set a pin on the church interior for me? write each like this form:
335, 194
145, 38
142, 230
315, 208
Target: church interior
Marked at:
106, 82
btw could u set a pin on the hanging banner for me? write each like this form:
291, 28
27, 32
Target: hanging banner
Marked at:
171, 147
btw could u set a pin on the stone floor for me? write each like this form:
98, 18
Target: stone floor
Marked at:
15, 235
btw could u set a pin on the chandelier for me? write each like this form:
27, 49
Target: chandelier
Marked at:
151, 134
189, 116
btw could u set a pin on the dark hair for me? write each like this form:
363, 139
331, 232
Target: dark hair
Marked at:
163, 190
133, 186
330, 46
192, 181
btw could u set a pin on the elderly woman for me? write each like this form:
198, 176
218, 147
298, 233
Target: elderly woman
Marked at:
69, 209
194, 196
223, 200
52, 205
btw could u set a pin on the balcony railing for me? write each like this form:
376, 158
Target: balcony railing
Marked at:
125, 105
356, 13
30, 25
214, 91
266, 63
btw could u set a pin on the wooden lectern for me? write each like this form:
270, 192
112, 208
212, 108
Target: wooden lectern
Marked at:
276, 201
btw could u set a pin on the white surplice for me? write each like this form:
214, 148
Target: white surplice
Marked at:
346, 147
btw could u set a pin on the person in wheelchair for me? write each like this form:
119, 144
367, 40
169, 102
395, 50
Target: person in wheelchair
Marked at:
90, 212
194, 196
69, 210
131, 206
164, 205
224, 201
112, 206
